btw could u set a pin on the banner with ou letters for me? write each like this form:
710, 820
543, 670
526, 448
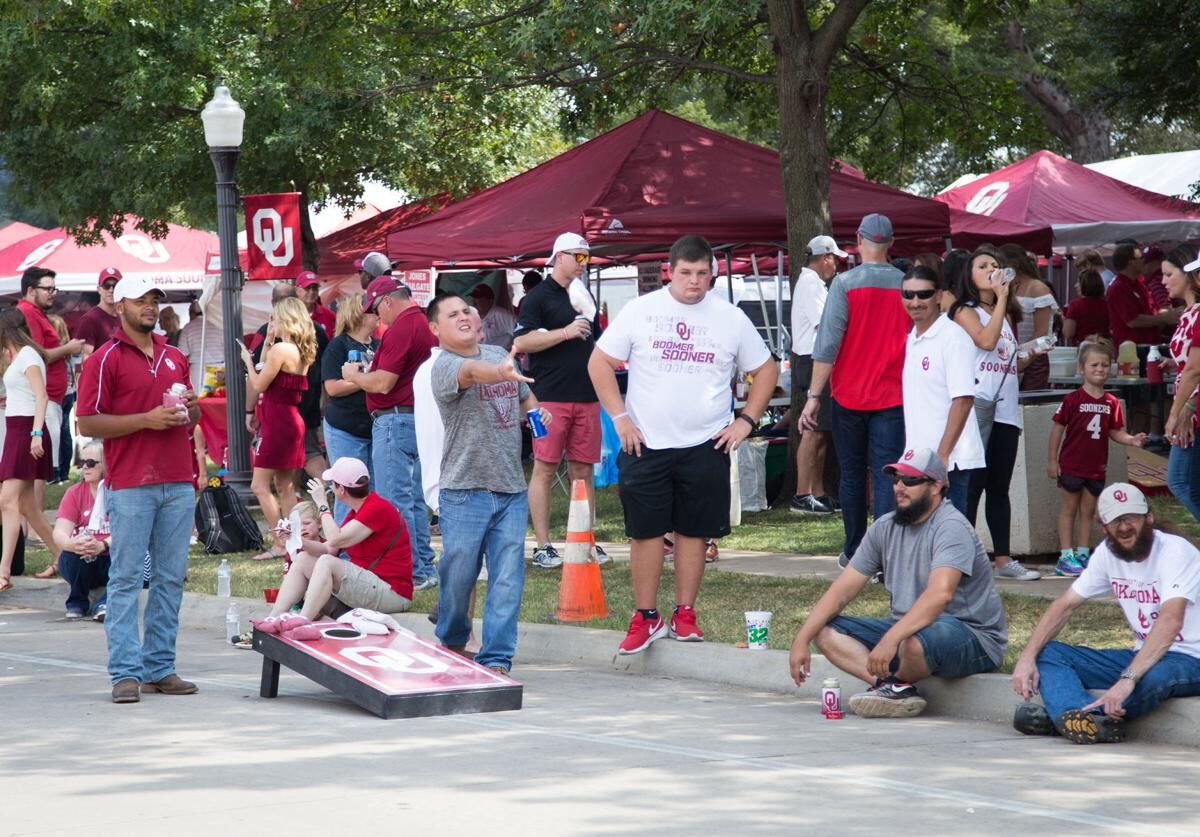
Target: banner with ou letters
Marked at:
273, 235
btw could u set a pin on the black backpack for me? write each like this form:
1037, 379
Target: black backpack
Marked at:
224, 524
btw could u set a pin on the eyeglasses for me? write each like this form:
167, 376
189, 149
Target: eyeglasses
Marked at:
48, 289
911, 482
580, 258
89, 463
925, 294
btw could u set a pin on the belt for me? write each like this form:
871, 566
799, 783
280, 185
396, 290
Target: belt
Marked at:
387, 411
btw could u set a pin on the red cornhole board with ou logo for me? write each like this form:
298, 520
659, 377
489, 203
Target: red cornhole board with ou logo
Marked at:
399, 675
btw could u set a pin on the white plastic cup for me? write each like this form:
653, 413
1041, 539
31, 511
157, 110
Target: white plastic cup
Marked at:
758, 625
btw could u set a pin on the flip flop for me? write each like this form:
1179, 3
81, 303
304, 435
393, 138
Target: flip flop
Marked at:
5, 584
50, 572
269, 555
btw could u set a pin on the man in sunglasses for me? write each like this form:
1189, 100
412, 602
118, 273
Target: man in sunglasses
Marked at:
558, 342
946, 616
98, 324
939, 384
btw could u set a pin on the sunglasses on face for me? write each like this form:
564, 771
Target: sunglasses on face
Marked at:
911, 482
89, 463
580, 258
927, 293
109, 286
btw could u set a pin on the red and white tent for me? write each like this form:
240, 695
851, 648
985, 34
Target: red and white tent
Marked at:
1083, 207
176, 262
17, 231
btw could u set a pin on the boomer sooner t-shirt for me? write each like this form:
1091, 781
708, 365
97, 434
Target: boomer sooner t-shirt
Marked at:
1172, 571
682, 359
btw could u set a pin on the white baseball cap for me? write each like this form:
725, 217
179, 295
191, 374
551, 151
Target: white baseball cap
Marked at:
823, 245
135, 287
568, 241
1192, 265
1119, 499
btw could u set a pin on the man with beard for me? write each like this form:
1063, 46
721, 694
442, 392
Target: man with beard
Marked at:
1156, 579
946, 617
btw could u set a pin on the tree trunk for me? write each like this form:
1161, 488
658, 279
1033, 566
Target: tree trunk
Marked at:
310, 253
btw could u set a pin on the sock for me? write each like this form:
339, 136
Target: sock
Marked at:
678, 606
650, 615
1066, 554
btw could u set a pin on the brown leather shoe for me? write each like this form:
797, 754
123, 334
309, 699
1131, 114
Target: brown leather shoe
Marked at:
461, 650
172, 684
125, 691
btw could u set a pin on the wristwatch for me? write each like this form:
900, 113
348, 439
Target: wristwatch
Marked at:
321, 509
1128, 674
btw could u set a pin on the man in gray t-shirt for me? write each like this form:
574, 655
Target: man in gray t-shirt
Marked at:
946, 616
483, 399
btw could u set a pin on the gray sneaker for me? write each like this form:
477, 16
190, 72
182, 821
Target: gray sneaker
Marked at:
843, 560
1016, 571
426, 584
546, 557
600, 555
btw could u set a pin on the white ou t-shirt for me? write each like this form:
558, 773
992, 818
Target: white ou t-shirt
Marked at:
939, 365
431, 432
21, 401
1171, 572
808, 301
682, 359
990, 381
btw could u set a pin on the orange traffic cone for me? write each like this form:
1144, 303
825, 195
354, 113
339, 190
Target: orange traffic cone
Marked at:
580, 593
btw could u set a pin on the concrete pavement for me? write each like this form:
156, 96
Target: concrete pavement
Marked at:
592, 753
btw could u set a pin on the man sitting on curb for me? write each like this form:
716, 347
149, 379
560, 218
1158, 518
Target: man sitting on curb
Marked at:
946, 614
1156, 579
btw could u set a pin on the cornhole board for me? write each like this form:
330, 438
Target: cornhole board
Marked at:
399, 675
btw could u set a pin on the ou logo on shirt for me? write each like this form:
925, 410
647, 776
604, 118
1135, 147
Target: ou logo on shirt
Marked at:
925, 363
270, 234
988, 198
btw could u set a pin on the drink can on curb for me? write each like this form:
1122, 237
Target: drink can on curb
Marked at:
831, 699
536, 429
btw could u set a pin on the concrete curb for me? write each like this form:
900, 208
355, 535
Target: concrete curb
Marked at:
983, 697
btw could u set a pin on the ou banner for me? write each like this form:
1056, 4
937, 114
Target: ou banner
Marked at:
273, 235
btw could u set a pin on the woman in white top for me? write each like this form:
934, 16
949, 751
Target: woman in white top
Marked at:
27, 451
1037, 312
984, 311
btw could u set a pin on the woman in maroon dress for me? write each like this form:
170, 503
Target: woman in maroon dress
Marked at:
290, 348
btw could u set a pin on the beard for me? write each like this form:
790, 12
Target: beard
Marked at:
1140, 550
916, 509
135, 323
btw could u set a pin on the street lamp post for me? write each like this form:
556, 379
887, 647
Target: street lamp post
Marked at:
223, 120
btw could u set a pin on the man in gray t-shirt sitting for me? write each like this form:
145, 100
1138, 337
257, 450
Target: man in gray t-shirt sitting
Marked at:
946, 614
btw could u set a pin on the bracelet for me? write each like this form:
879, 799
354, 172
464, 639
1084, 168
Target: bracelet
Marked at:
753, 424
620, 415
35, 433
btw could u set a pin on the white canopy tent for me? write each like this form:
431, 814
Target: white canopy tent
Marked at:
1172, 174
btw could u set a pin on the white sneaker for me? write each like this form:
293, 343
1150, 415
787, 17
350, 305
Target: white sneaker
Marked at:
1016, 571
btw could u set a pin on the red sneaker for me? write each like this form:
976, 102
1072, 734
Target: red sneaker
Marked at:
641, 633
684, 627
711, 552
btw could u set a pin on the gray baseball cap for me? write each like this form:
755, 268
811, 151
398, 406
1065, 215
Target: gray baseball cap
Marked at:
921, 462
876, 228
376, 264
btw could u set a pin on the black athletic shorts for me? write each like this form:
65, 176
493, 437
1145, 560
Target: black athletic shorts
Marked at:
801, 378
684, 490
1074, 485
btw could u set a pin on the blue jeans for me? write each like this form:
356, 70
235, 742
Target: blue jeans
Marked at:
155, 519
1067, 671
398, 480
83, 577
863, 438
956, 492
339, 443
474, 522
951, 649
66, 452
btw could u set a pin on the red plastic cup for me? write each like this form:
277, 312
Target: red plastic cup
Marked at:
270, 594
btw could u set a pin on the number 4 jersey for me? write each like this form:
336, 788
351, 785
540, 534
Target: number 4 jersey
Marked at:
1087, 420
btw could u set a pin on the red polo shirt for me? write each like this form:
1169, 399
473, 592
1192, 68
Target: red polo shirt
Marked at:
406, 344
1128, 297
45, 336
120, 380
325, 318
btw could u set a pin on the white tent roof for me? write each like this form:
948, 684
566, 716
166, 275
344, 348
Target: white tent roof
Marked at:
1168, 174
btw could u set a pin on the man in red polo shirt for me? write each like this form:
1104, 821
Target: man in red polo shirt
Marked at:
1130, 307
148, 494
308, 289
406, 344
101, 321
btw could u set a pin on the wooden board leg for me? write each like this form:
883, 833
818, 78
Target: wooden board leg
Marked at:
269, 685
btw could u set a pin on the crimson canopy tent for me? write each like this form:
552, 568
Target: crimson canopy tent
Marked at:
1083, 207
341, 247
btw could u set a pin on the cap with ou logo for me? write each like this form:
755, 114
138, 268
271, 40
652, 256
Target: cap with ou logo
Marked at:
919, 462
1120, 499
306, 279
109, 273
824, 245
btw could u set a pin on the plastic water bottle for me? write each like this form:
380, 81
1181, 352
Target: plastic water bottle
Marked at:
233, 622
224, 580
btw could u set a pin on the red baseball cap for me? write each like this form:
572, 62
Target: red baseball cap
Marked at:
380, 286
306, 279
108, 273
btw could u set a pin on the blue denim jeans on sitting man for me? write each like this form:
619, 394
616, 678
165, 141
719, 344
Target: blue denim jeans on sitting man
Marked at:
398, 480
82, 577
1066, 672
957, 490
951, 649
339, 443
862, 439
154, 519
1181, 477
476, 522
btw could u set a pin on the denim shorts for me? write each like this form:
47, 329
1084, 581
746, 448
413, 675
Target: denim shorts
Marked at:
951, 648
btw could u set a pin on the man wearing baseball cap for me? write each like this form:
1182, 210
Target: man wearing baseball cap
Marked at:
946, 616
308, 290
373, 265
859, 351
100, 322
396, 463
808, 301
149, 493
1156, 580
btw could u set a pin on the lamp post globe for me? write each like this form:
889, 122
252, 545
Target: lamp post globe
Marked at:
223, 119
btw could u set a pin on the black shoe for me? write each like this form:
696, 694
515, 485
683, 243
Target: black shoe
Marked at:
1081, 727
832, 502
1033, 719
808, 504
889, 699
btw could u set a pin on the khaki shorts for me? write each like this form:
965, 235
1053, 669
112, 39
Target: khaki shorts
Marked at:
362, 588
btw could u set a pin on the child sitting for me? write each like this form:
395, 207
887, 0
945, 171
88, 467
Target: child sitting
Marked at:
306, 515
1088, 418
